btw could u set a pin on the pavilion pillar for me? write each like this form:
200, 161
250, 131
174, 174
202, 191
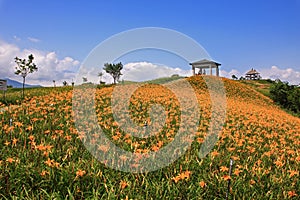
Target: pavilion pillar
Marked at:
217, 71
193, 67
210, 69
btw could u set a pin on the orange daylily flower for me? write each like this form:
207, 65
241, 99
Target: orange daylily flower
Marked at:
10, 160
202, 184
224, 169
123, 184
14, 142
293, 173
80, 173
226, 177
292, 193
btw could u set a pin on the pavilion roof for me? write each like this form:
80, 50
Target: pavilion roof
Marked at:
252, 71
205, 61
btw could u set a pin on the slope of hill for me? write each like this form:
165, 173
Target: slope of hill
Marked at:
44, 155
262, 86
282, 93
164, 80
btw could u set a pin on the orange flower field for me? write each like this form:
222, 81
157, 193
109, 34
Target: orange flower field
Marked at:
44, 153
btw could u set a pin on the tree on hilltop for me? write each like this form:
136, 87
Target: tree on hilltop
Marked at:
234, 77
100, 74
84, 79
65, 83
114, 70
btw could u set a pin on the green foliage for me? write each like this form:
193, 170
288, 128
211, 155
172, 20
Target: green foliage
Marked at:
234, 77
25, 66
164, 80
100, 74
288, 96
294, 100
84, 79
65, 83
114, 70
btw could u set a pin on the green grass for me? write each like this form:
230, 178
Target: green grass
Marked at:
164, 80
262, 86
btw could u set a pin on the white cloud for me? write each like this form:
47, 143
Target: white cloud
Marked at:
32, 39
50, 67
7, 54
229, 74
142, 71
288, 74
135, 71
274, 72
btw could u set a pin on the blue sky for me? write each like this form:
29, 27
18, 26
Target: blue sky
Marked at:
240, 34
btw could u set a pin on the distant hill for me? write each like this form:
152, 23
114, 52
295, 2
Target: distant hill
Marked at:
16, 84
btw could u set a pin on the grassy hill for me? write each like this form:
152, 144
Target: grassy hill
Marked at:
288, 93
164, 80
262, 86
43, 156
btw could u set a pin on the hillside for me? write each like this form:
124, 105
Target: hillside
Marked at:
262, 86
164, 80
43, 155
282, 93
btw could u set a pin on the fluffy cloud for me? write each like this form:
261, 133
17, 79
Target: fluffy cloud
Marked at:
142, 71
7, 54
288, 74
229, 74
137, 71
50, 67
274, 72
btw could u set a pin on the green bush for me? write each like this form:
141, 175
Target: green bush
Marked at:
287, 96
